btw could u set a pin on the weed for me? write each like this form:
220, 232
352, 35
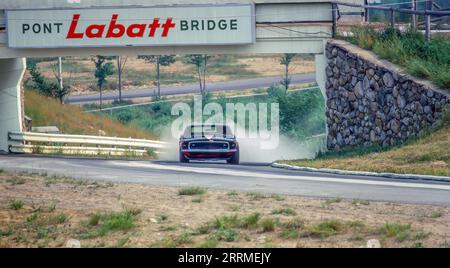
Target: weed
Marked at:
324, 229
360, 202
197, 200
278, 197
15, 180
251, 221
58, 219
256, 196
7, 232
162, 217
209, 243
393, 229
102, 224
436, 214
268, 225
191, 191
284, 211
15, 204
222, 234
232, 194
121, 242
290, 234
333, 200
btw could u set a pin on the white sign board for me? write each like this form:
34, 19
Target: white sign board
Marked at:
146, 26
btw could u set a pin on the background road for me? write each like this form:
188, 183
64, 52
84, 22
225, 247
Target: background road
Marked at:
246, 178
192, 88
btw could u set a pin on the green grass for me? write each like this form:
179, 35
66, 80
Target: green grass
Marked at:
58, 219
360, 202
400, 231
15, 180
191, 191
268, 225
15, 204
251, 221
101, 224
410, 50
333, 200
209, 243
427, 154
197, 200
284, 211
70, 119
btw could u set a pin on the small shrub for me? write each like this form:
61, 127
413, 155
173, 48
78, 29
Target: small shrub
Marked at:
400, 231
284, 211
360, 202
256, 196
436, 214
15, 204
268, 225
290, 234
324, 229
15, 180
162, 217
333, 200
295, 223
278, 197
251, 221
197, 200
209, 243
232, 194
108, 222
228, 235
191, 191
58, 219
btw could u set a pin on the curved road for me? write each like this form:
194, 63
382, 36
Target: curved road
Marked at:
245, 177
192, 88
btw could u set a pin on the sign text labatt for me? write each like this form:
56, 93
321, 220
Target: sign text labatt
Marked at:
146, 26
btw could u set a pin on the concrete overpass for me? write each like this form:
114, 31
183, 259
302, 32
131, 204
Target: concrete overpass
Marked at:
279, 26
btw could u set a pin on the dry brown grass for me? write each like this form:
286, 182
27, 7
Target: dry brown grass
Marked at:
56, 210
71, 120
429, 155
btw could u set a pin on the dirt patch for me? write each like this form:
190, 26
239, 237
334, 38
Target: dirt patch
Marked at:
57, 209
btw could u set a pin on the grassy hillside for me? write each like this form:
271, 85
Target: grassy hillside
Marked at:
427, 155
71, 120
410, 49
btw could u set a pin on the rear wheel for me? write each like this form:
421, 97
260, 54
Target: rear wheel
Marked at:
183, 159
234, 160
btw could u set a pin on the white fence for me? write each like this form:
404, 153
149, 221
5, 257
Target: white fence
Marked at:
29, 142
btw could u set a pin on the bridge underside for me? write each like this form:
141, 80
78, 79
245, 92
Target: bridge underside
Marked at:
298, 28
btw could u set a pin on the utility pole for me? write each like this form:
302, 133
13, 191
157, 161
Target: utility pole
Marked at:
60, 80
414, 16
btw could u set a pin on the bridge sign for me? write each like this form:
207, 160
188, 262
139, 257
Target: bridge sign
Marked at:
144, 26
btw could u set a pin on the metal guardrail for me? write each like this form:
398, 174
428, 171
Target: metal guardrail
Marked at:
29, 142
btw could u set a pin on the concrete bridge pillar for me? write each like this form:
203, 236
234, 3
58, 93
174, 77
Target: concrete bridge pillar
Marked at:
11, 74
321, 79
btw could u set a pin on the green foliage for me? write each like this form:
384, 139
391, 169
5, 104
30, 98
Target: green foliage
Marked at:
268, 225
191, 191
286, 60
409, 49
43, 85
101, 224
284, 211
15, 204
103, 69
394, 229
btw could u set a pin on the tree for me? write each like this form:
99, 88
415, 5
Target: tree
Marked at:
103, 69
45, 86
121, 61
158, 60
200, 62
286, 60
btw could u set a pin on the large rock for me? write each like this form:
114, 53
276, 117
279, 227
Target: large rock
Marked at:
388, 80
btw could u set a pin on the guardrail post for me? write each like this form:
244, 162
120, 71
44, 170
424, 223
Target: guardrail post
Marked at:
428, 6
334, 19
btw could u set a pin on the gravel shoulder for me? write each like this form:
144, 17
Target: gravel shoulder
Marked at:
41, 211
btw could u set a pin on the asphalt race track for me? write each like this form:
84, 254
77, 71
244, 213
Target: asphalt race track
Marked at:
245, 178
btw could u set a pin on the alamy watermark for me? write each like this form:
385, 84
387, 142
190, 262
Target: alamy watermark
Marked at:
247, 121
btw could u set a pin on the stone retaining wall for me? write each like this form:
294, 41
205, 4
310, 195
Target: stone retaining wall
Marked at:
371, 101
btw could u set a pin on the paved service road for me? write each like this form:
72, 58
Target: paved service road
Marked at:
246, 177
192, 88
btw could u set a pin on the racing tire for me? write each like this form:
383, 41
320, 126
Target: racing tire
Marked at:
234, 160
183, 159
